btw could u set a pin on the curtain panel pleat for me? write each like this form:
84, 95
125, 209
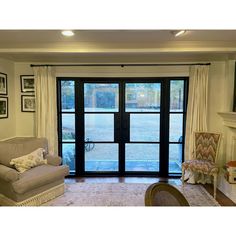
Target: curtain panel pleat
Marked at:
197, 106
46, 106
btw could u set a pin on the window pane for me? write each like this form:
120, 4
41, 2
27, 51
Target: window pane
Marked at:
176, 95
142, 97
144, 127
99, 127
101, 97
68, 156
142, 157
67, 96
101, 157
68, 127
175, 158
176, 127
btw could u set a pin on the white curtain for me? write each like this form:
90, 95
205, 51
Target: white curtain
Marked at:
196, 112
46, 106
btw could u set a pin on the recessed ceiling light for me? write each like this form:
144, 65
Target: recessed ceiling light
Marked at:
178, 33
67, 33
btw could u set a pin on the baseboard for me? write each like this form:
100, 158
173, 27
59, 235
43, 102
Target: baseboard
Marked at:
36, 200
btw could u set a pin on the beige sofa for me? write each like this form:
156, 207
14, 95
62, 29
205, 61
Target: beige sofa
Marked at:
36, 185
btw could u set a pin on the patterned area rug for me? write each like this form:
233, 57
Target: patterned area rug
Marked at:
123, 194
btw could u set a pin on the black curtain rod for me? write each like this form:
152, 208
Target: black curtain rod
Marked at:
122, 65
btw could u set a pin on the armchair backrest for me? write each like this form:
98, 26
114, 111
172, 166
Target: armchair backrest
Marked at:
17, 147
164, 194
206, 146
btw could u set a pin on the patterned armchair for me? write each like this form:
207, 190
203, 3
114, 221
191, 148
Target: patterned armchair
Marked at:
206, 146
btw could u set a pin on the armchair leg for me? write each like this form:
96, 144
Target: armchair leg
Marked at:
215, 183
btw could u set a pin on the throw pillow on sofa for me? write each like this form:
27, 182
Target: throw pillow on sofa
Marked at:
30, 160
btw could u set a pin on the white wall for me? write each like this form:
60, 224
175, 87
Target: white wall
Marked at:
8, 125
25, 120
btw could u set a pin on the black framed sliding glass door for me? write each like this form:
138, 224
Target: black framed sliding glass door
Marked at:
122, 126
142, 114
101, 108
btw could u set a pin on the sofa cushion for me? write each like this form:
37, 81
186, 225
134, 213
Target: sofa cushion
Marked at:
30, 160
39, 176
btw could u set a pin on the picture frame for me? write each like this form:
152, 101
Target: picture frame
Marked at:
3, 84
3, 107
27, 83
27, 103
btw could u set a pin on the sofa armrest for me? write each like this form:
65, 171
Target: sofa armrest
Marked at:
8, 174
53, 160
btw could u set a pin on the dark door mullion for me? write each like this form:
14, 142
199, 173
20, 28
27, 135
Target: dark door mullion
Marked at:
59, 120
164, 129
122, 128
185, 98
79, 108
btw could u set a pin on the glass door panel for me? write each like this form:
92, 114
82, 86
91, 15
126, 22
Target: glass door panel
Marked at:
67, 96
142, 97
68, 127
101, 97
175, 157
68, 153
144, 127
176, 95
141, 157
176, 127
101, 157
99, 127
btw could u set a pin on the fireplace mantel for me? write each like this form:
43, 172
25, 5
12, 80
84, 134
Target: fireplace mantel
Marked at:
229, 119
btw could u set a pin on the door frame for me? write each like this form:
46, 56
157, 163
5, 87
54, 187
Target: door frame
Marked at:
164, 122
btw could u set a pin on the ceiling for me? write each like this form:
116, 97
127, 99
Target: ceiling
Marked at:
104, 46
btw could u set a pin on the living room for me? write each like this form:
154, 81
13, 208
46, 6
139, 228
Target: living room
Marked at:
105, 76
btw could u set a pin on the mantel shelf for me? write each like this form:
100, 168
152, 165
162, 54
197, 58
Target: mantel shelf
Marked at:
229, 119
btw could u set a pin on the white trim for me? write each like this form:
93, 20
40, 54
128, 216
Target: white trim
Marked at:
36, 200
229, 118
5, 139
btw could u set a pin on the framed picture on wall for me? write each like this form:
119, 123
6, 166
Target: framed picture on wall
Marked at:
27, 103
3, 84
27, 83
3, 107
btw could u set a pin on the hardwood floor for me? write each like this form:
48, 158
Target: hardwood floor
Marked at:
220, 197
